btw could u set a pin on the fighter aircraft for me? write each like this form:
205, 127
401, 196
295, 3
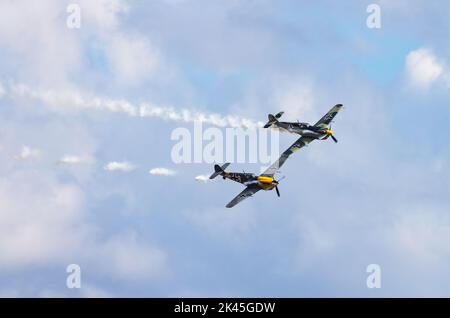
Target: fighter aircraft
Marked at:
252, 182
266, 180
321, 130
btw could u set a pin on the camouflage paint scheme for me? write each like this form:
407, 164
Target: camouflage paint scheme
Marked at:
318, 131
266, 180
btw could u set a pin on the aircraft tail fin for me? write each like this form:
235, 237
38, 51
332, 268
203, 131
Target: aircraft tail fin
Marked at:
219, 170
273, 119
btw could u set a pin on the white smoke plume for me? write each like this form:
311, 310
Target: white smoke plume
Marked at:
119, 166
75, 100
74, 160
203, 178
162, 172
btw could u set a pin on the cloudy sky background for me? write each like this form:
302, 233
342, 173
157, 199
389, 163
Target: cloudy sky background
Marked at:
86, 175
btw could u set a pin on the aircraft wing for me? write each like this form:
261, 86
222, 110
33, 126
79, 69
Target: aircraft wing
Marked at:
247, 192
299, 143
326, 120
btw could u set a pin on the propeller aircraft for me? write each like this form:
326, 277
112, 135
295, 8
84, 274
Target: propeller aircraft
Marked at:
321, 130
266, 180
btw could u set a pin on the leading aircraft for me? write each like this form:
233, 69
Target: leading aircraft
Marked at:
266, 180
321, 130
253, 183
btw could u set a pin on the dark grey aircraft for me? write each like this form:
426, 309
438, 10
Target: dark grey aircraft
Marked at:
321, 130
266, 180
253, 182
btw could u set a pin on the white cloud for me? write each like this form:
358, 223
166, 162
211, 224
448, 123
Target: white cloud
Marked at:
127, 258
423, 68
51, 227
28, 153
315, 242
162, 172
38, 217
421, 233
74, 160
103, 14
61, 50
119, 166
132, 58
25, 27
296, 98
45, 223
232, 226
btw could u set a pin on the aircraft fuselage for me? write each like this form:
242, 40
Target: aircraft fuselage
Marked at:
264, 182
303, 129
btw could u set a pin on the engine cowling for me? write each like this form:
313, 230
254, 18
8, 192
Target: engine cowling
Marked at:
265, 180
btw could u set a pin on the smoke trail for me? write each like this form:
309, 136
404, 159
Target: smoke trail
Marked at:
75, 160
75, 100
119, 166
162, 172
203, 178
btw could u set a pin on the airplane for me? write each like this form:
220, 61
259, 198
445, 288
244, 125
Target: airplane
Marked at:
266, 180
252, 182
321, 130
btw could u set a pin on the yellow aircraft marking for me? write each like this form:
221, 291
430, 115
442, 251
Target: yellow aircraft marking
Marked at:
265, 180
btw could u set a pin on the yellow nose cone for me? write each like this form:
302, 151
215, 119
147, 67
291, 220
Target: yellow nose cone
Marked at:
263, 179
329, 132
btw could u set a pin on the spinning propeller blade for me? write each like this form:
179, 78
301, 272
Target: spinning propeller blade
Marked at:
334, 138
277, 182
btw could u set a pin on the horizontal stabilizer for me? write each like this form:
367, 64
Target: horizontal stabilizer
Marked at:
272, 120
218, 170
277, 116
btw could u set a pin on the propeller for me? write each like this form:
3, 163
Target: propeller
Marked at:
334, 138
276, 185
331, 135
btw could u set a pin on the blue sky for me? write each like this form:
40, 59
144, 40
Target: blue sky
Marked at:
69, 105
